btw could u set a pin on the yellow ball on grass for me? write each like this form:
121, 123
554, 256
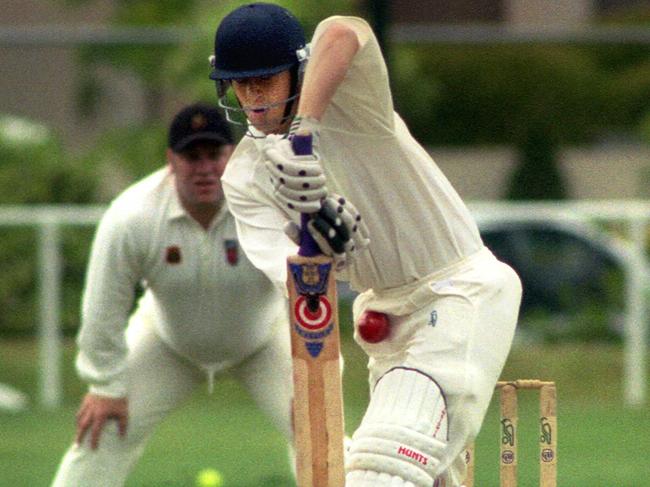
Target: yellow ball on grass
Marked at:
209, 477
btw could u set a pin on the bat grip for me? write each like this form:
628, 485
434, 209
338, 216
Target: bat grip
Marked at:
301, 143
308, 246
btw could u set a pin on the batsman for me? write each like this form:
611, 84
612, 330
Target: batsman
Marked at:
436, 311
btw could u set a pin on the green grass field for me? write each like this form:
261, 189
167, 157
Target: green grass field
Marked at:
601, 444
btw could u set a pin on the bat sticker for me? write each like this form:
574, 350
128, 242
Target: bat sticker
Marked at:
310, 279
312, 309
316, 320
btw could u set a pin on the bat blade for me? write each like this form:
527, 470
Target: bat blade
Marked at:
315, 347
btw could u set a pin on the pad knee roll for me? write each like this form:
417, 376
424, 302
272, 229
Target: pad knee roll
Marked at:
404, 429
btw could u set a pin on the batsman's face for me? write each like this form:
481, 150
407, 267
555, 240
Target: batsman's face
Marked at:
264, 100
198, 172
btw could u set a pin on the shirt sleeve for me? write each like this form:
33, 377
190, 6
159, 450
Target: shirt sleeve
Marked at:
357, 24
113, 273
362, 104
260, 230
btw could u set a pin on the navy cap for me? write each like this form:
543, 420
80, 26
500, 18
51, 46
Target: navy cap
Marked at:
196, 123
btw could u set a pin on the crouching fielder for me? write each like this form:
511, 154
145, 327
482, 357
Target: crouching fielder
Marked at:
437, 311
205, 308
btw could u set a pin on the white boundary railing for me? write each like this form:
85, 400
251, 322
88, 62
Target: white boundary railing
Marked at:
635, 214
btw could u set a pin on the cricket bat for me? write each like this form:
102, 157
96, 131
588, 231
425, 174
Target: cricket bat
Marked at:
315, 348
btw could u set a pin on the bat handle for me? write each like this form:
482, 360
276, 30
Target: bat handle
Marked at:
301, 143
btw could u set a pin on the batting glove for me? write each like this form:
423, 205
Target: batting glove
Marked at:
298, 181
338, 230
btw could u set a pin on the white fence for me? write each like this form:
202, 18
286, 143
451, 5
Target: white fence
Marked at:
634, 214
48, 220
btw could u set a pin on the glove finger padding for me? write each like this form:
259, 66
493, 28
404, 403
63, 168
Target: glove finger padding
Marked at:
301, 196
279, 179
298, 181
291, 165
307, 206
352, 220
326, 237
292, 230
341, 260
338, 230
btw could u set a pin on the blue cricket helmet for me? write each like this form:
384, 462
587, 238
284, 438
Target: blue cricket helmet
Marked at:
258, 39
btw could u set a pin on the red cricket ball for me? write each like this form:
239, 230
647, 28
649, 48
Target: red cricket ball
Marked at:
373, 326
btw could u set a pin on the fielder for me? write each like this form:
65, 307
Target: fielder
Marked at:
205, 308
449, 305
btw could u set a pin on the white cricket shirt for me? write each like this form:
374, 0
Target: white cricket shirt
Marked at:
202, 295
417, 223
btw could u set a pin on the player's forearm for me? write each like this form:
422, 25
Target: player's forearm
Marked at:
326, 70
107, 301
101, 340
101, 362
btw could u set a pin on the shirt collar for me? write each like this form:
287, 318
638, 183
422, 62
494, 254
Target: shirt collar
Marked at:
177, 210
220, 215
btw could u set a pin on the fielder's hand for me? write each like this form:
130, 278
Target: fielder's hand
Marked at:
299, 181
338, 230
95, 411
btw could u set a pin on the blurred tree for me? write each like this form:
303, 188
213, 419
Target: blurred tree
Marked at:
537, 176
628, 66
35, 169
491, 94
145, 61
124, 155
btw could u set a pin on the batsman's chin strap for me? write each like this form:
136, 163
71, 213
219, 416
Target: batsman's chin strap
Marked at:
242, 120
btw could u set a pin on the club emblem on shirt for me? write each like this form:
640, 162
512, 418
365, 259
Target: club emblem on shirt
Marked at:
173, 254
232, 251
314, 317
